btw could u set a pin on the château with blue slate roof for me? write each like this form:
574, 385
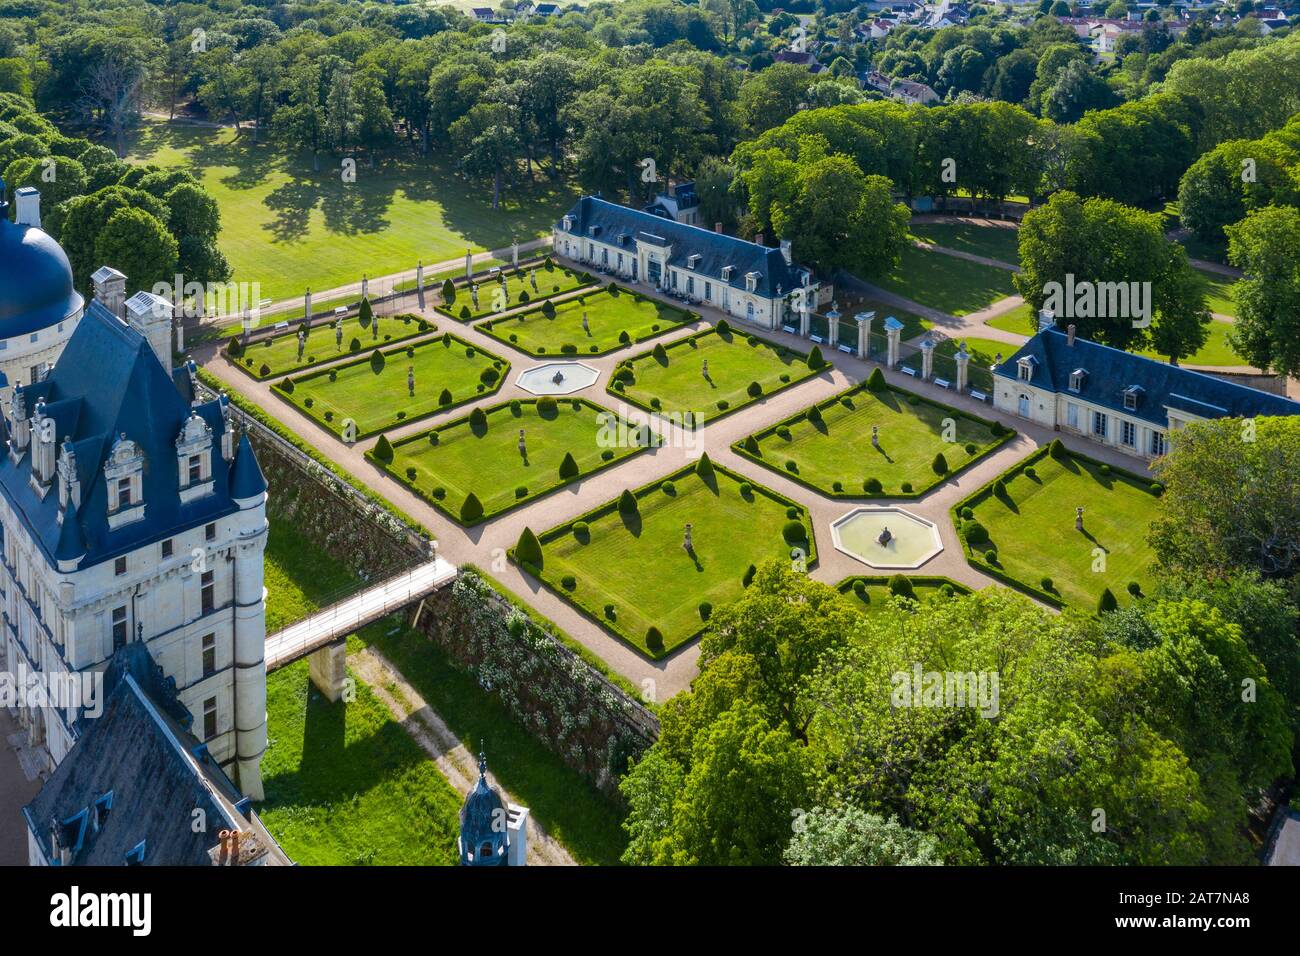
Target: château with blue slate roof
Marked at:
129, 514
746, 280
1116, 398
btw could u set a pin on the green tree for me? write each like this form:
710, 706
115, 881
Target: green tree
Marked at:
849, 836
138, 245
1266, 245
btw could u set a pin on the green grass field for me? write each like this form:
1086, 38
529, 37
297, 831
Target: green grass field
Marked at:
871, 593
613, 316
288, 227
345, 784
677, 383
487, 462
636, 565
835, 456
376, 397
522, 287
991, 242
1032, 529
1220, 293
279, 354
951, 285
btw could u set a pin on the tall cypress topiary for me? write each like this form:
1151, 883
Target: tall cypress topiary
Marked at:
528, 550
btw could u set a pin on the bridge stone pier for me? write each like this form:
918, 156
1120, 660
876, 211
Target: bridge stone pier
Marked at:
329, 669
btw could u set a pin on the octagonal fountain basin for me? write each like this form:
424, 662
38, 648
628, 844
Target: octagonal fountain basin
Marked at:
910, 543
557, 378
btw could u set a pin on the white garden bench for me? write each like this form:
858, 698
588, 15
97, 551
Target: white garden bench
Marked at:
976, 394
281, 325
340, 311
789, 328
943, 383
817, 338
846, 349
906, 370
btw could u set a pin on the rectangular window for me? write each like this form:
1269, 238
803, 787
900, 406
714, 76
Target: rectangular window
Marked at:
673, 277
690, 285
123, 493
210, 532
1159, 444
196, 469
208, 591
708, 292
1128, 434
167, 548
1072, 415
1099, 424
209, 654
119, 628
209, 718
119, 566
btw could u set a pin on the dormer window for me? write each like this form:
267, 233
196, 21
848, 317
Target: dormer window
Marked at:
124, 475
693, 260
726, 273
568, 224
1077, 379
194, 458
1025, 369
751, 281
1132, 395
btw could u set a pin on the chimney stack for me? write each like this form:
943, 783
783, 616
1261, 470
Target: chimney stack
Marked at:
759, 239
110, 290
151, 316
517, 826
717, 227
1069, 335
29, 206
786, 253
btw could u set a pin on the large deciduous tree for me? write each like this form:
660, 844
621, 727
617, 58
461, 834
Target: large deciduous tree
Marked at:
1266, 245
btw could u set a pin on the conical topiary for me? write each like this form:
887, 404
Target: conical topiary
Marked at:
528, 550
704, 467
472, 509
627, 503
384, 450
365, 314
448, 292
815, 358
1107, 602
568, 467
876, 380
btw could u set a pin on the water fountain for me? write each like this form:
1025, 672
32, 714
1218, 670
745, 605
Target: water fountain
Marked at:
557, 378
886, 537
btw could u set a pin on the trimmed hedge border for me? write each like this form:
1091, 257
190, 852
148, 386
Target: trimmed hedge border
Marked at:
716, 413
595, 615
324, 325
511, 270
739, 447
503, 373
486, 327
976, 560
256, 412
917, 580
453, 512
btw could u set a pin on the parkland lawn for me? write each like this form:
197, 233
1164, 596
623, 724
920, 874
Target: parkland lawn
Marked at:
615, 316
521, 287
288, 227
992, 242
279, 354
1032, 530
676, 383
345, 783
947, 283
835, 455
631, 573
455, 459
374, 395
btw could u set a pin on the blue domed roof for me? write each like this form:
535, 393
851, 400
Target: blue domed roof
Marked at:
35, 280
484, 840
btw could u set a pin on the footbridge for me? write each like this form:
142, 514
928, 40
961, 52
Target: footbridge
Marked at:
323, 634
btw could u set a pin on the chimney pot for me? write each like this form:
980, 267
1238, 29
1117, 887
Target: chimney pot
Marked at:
29, 206
1069, 335
717, 227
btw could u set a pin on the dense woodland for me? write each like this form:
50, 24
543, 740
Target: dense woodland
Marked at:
1142, 714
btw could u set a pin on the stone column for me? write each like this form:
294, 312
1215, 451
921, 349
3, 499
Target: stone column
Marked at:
469, 265
927, 358
833, 329
250, 660
419, 283
329, 669
514, 254
306, 306
365, 287
864, 332
805, 320
963, 360
893, 338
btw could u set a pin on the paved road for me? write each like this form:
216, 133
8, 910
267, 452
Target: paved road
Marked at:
485, 544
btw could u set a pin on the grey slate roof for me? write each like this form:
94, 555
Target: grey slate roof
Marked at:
137, 752
108, 382
1111, 371
625, 227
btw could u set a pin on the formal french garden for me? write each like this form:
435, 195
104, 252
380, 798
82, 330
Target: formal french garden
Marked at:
615, 317
326, 341
874, 440
712, 372
872, 593
389, 387
498, 458
508, 289
651, 565
1025, 527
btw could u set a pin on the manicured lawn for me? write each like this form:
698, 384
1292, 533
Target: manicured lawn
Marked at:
561, 800
615, 317
951, 285
522, 287
452, 460
1032, 530
835, 455
345, 784
1215, 351
991, 242
871, 593
635, 566
1021, 320
677, 384
1220, 293
374, 395
288, 227
279, 354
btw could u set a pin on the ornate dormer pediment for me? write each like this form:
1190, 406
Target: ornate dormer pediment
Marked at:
194, 458
69, 484
124, 475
